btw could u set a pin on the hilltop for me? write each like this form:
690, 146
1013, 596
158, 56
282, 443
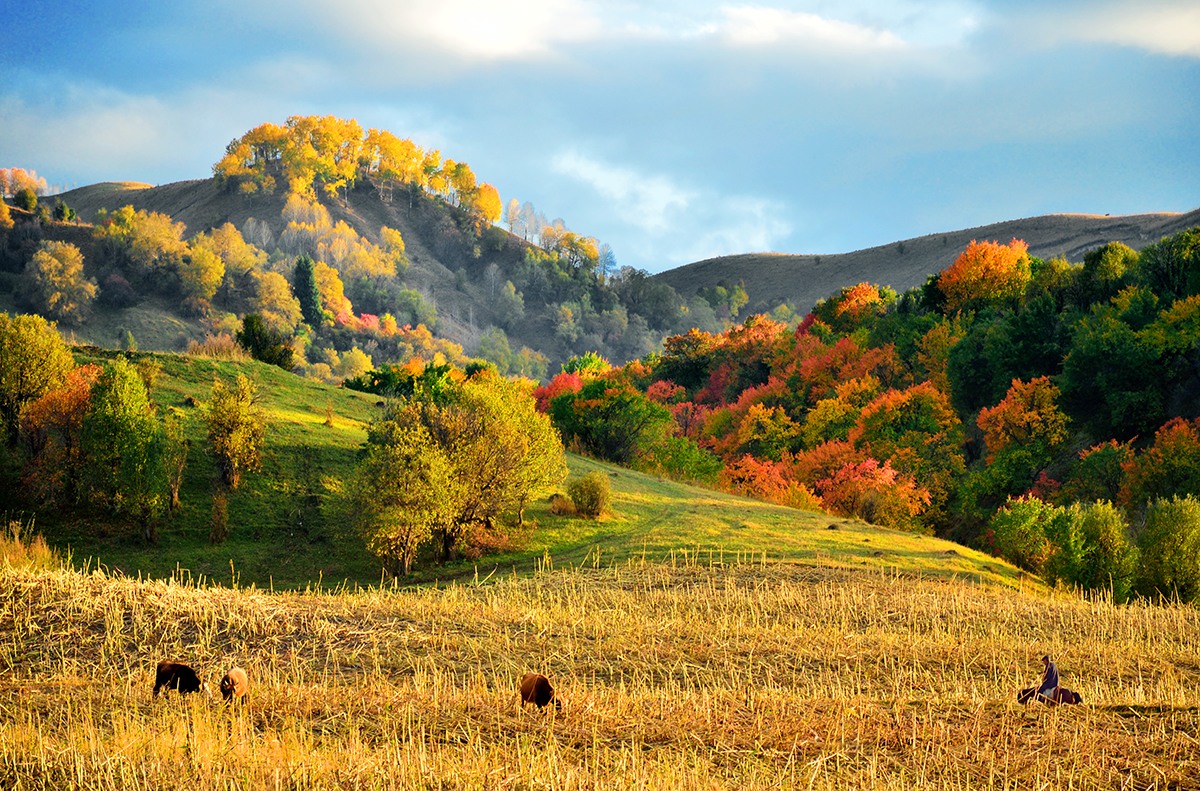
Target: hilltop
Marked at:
802, 280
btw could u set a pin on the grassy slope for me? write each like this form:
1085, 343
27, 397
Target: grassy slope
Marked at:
801, 280
281, 536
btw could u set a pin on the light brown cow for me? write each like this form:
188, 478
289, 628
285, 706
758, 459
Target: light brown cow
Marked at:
235, 686
535, 688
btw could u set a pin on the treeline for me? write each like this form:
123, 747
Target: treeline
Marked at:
950, 408
333, 154
90, 437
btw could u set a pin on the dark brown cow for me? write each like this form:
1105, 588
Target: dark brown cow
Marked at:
176, 676
235, 686
1061, 695
536, 689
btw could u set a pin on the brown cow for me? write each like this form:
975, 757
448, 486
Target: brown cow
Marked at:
177, 676
535, 688
235, 686
1061, 695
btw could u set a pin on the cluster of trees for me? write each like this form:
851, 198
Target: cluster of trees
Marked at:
453, 461
945, 408
90, 435
333, 154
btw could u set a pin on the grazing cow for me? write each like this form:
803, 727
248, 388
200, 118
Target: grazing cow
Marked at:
1061, 695
536, 689
177, 676
234, 686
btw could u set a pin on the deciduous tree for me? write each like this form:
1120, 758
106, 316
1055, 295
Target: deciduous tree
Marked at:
237, 428
33, 361
54, 282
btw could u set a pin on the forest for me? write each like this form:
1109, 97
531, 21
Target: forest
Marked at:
1044, 410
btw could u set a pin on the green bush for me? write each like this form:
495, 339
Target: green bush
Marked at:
1018, 532
25, 199
1170, 547
591, 494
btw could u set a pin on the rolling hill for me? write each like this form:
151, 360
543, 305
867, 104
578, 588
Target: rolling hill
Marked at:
448, 269
801, 280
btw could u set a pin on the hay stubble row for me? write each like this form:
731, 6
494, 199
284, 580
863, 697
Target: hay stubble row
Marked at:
733, 676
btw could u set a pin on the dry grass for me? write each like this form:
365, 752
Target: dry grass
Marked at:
744, 676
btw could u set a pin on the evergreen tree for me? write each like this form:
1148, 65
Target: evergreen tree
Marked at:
304, 282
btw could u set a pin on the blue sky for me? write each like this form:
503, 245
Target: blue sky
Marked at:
674, 131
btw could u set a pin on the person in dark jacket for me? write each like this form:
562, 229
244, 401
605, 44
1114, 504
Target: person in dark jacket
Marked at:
1049, 684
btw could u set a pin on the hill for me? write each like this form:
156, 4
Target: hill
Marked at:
736, 675
438, 252
800, 280
286, 530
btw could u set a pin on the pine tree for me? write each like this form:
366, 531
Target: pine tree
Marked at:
304, 282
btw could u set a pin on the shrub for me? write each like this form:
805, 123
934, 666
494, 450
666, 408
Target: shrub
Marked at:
1170, 548
591, 494
1019, 532
561, 505
19, 548
218, 347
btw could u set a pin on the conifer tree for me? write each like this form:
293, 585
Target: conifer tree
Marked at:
304, 281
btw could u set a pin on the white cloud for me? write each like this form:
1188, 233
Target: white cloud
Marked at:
642, 199
1163, 27
675, 225
470, 30
753, 26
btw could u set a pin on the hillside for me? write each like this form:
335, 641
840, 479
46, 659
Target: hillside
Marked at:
434, 246
801, 280
286, 529
736, 675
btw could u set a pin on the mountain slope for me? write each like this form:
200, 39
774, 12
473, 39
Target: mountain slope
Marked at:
801, 280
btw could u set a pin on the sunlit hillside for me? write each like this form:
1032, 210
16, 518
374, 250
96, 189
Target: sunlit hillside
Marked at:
802, 280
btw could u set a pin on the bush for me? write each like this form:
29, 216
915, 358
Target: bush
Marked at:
1170, 547
591, 494
561, 505
25, 199
218, 347
1019, 532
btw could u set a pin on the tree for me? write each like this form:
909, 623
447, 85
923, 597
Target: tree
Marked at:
273, 301
55, 284
1110, 377
1092, 550
498, 452
200, 274
1170, 466
1027, 417
1019, 532
6, 220
397, 494
304, 283
237, 428
264, 343
123, 442
25, 198
33, 361
611, 420
1169, 543
51, 436
986, 273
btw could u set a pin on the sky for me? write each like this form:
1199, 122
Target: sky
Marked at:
674, 131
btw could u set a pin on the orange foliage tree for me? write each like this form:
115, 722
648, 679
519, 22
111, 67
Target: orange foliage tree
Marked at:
1169, 467
986, 273
1028, 417
50, 432
875, 492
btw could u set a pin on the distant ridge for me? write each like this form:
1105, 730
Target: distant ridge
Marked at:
801, 280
